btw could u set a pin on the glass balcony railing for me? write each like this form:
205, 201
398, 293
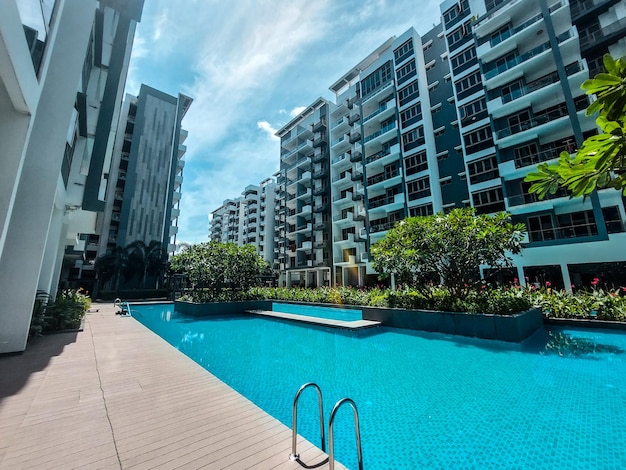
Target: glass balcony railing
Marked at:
499, 68
380, 132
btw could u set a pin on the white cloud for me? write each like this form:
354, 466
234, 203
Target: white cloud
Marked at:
297, 110
268, 129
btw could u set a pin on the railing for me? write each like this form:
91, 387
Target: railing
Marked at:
380, 132
579, 9
603, 32
377, 156
568, 231
541, 83
381, 227
339, 158
380, 109
509, 64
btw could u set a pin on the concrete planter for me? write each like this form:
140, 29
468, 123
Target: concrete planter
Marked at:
221, 308
512, 328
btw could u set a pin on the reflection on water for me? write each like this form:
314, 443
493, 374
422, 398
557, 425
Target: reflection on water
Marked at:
166, 315
566, 345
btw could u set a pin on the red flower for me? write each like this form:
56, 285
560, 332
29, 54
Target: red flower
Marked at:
596, 281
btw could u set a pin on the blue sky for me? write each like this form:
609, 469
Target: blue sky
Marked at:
250, 65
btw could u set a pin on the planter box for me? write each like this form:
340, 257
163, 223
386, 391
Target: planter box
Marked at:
512, 328
586, 323
220, 308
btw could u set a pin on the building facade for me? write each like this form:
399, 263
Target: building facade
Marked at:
456, 117
249, 219
63, 67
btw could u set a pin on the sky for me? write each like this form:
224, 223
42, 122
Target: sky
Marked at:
250, 67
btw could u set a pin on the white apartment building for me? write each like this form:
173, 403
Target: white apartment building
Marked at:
63, 65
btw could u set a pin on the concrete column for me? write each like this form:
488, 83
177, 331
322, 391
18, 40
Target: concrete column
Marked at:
567, 280
520, 275
54, 243
20, 263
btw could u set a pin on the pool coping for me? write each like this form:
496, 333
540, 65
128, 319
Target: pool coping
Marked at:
350, 325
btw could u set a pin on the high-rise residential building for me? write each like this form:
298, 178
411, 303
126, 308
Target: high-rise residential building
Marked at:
304, 228
517, 68
249, 219
143, 189
455, 117
64, 66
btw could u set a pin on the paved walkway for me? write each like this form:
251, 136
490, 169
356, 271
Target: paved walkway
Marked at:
117, 396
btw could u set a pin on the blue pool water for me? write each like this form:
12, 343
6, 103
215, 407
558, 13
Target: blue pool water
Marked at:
426, 400
344, 314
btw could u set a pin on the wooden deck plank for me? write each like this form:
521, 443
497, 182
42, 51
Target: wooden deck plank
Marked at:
117, 396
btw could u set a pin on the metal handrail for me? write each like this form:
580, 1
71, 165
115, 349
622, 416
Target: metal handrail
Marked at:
294, 423
331, 453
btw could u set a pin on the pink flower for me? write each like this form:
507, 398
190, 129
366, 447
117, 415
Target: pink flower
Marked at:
548, 284
596, 281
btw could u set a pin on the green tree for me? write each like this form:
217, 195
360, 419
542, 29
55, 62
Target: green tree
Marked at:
218, 268
110, 268
146, 260
452, 245
601, 160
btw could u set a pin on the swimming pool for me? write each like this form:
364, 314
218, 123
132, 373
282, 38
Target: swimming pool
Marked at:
425, 400
343, 314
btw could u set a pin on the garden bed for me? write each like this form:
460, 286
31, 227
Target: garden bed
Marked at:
512, 328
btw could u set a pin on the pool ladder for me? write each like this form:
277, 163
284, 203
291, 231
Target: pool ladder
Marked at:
331, 454
123, 306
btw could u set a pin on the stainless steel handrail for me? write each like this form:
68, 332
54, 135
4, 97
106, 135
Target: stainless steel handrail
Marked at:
331, 453
294, 423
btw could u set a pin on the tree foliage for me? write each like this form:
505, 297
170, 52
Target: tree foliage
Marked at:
452, 246
216, 266
601, 160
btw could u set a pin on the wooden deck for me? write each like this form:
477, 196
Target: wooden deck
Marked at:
117, 396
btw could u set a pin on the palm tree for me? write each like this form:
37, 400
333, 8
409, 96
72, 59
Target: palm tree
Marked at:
111, 266
146, 260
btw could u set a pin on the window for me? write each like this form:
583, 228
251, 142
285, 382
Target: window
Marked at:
541, 228
477, 140
488, 201
473, 111
405, 72
612, 219
483, 170
526, 155
577, 224
459, 36
408, 93
416, 163
512, 91
418, 189
413, 138
464, 60
411, 115
404, 51
468, 85
456, 13
376, 79
421, 211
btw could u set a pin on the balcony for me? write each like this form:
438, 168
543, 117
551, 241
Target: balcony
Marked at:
346, 197
387, 105
319, 156
320, 208
355, 137
340, 123
383, 130
320, 141
319, 190
386, 204
538, 90
606, 34
581, 9
357, 176
319, 125
383, 157
356, 156
340, 158
495, 69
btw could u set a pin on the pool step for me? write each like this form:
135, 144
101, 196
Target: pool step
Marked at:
350, 325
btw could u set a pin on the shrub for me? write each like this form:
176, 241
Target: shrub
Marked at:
67, 311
